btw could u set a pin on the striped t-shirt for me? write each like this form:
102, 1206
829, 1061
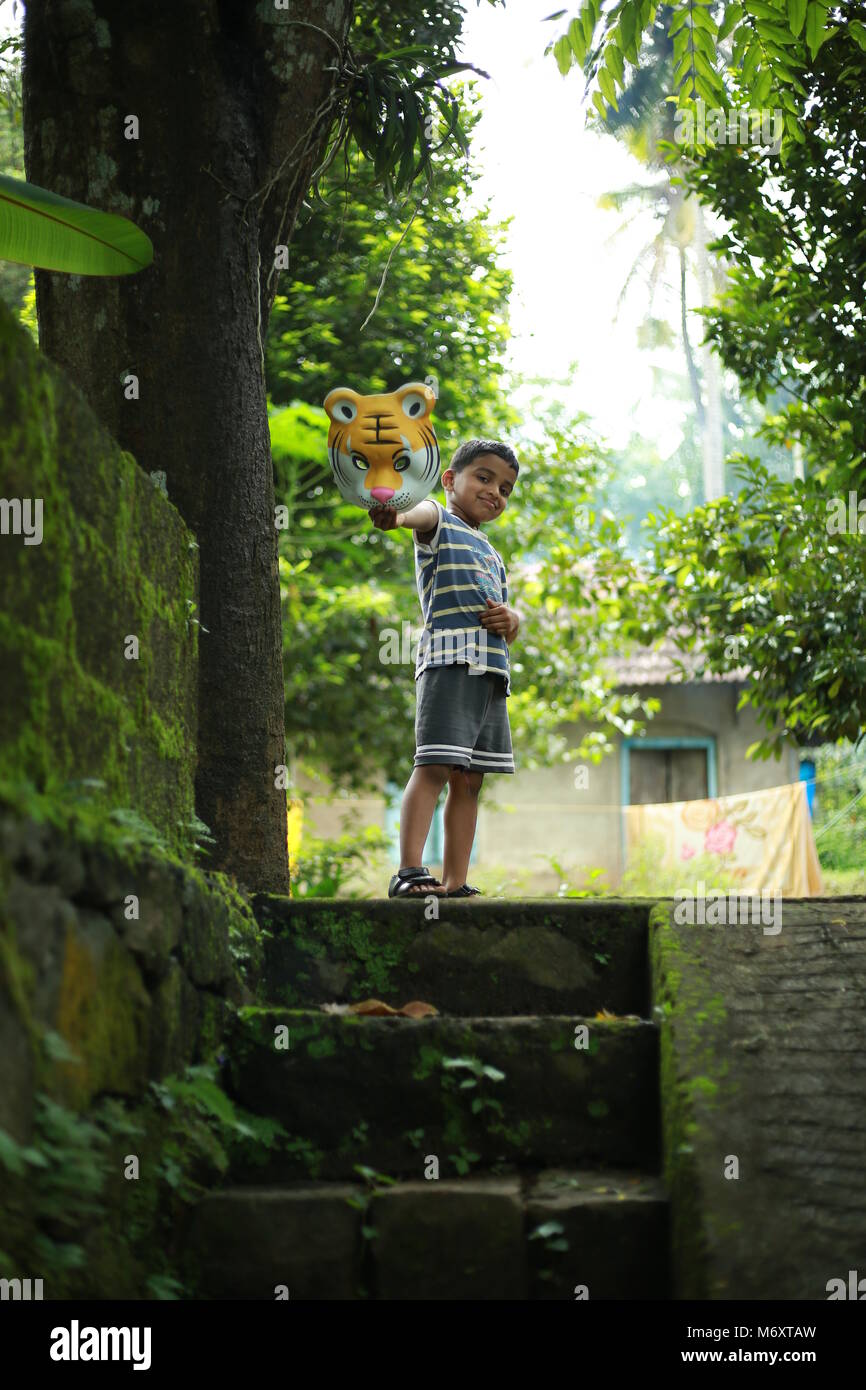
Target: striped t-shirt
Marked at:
456, 571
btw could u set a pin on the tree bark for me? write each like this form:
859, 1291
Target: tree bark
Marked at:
233, 104
712, 437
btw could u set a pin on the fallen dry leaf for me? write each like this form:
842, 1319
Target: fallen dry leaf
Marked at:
375, 1008
416, 1008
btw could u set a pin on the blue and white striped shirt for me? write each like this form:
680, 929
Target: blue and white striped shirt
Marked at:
455, 572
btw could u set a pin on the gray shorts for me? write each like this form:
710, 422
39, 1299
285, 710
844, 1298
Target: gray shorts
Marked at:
462, 720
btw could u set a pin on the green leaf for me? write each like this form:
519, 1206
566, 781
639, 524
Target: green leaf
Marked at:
816, 27
605, 81
706, 44
733, 16
547, 1229
493, 1073
577, 40
562, 51
704, 68
412, 130
628, 25
796, 15
858, 32
702, 22
683, 70
614, 61
761, 89
753, 57
11, 1153
760, 10
774, 33
58, 1050
42, 229
679, 21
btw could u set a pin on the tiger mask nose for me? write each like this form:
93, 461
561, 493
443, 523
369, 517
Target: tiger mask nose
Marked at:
382, 494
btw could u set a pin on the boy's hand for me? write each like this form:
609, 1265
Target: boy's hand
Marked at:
383, 517
499, 618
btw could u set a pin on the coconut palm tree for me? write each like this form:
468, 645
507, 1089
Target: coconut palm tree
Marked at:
643, 120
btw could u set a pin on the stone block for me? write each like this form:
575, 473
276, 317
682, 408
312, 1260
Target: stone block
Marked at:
450, 1240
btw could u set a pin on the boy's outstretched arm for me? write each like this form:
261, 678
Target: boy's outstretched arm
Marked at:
422, 518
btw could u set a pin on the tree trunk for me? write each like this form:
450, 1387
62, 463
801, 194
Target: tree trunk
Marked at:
201, 123
713, 441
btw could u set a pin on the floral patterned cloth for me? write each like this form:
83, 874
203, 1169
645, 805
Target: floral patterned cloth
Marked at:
763, 839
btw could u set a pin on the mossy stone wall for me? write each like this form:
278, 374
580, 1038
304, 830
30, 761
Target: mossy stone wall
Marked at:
115, 561
133, 959
120, 966
763, 1039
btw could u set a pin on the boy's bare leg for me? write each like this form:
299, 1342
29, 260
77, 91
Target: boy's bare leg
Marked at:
461, 812
416, 816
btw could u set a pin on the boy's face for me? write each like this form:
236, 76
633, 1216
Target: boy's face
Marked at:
480, 492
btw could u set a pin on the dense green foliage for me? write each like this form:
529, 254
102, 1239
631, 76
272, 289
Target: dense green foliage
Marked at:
764, 581
793, 307
734, 575
767, 45
443, 308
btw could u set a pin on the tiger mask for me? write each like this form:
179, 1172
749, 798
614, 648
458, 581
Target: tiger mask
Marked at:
382, 449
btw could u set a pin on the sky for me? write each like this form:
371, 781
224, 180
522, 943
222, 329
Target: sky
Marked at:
541, 166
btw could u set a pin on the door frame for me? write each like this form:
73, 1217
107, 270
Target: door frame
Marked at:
626, 745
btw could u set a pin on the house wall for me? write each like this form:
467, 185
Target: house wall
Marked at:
526, 819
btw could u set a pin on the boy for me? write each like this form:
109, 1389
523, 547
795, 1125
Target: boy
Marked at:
462, 671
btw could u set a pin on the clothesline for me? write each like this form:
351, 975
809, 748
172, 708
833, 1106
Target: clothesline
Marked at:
569, 807
840, 814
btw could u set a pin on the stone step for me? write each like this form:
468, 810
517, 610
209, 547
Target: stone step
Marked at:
479, 956
563, 1233
392, 1093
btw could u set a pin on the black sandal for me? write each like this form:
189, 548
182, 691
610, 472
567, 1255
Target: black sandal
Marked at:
464, 892
401, 884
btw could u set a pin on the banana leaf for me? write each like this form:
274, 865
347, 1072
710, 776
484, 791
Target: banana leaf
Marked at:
42, 229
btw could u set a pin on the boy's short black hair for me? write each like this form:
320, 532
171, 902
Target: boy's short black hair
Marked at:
473, 448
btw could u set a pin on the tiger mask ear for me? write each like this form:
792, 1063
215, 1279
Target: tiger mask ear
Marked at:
341, 405
417, 400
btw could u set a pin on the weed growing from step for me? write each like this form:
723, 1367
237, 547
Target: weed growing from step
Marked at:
481, 1077
553, 1235
374, 1183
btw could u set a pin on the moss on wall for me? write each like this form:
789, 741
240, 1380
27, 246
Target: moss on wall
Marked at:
115, 561
694, 1074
